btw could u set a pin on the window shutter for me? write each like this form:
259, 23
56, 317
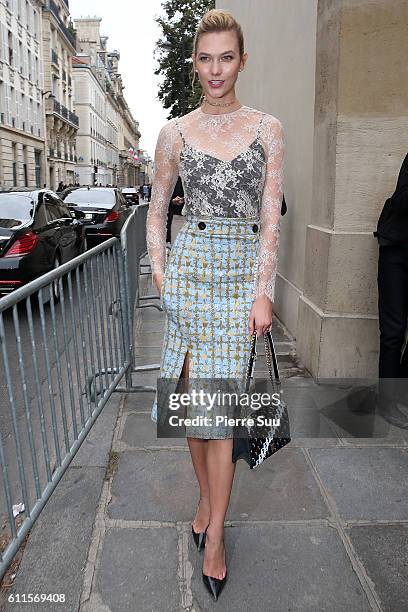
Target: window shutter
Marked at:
25, 56
2, 50
17, 58
18, 125
7, 102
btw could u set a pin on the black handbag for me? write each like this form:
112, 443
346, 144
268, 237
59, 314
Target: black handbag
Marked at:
255, 443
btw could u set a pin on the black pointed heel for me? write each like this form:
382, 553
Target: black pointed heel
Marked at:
214, 585
199, 539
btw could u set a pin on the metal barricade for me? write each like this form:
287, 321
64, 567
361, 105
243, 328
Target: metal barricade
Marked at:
134, 248
61, 361
66, 341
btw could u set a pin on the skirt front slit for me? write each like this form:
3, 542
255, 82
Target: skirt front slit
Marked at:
207, 293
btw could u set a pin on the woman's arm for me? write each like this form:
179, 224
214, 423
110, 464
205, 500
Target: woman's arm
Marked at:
261, 312
270, 209
164, 179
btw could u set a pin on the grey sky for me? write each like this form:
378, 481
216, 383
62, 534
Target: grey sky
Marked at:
131, 29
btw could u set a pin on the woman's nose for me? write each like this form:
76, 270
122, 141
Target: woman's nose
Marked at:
215, 68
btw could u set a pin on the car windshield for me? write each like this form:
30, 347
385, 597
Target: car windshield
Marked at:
91, 197
15, 209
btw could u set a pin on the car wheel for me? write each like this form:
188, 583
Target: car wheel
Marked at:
55, 284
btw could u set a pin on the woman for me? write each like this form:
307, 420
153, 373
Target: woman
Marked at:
218, 285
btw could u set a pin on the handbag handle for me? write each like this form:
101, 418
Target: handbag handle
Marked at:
270, 359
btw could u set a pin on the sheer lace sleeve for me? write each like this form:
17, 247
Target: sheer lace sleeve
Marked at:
165, 175
272, 134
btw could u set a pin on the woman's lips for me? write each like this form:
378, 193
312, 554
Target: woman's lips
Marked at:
216, 84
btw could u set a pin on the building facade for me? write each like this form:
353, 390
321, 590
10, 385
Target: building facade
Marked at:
59, 45
103, 111
91, 167
22, 154
131, 158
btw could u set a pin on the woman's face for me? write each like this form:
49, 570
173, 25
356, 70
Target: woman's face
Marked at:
218, 63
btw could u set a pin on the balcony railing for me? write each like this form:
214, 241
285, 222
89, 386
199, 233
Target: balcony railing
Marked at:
64, 112
73, 118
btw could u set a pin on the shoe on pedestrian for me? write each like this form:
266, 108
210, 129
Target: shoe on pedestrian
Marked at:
214, 585
199, 538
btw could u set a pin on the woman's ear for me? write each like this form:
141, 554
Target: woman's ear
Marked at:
243, 61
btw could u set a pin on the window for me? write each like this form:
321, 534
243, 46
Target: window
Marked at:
53, 212
2, 102
12, 107
40, 219
56, 208
16, 209
20, 56
14, 151
37, 160
10, 48
25, 167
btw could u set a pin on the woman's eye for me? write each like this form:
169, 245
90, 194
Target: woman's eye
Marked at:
228, 57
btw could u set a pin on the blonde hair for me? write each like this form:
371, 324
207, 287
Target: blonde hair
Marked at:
217, 20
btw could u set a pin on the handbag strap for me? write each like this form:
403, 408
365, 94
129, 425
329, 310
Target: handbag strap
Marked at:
270, 352
271, 360
251, 362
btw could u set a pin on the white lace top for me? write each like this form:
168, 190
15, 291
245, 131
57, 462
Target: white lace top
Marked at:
231, 165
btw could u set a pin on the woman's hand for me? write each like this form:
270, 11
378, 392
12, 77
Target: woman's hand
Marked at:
178, 200
260, 317
158, 280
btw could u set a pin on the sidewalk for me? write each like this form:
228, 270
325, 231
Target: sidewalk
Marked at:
322, 525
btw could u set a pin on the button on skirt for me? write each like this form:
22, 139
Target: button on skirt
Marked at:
207, 293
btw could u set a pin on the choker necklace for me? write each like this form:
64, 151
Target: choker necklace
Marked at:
217, 103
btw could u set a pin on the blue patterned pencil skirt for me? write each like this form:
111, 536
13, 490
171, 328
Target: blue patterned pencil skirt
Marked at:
207, 293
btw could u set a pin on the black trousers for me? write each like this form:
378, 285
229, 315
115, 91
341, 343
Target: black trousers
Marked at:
170, 214
393, 315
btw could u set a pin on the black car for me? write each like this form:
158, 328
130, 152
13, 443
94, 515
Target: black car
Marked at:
131, 195
38, 232
105, 210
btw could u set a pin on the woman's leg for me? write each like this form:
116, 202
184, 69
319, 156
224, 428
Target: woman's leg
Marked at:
221, 471
214, 468
198, 451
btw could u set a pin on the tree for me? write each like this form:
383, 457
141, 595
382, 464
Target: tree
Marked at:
174, 51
